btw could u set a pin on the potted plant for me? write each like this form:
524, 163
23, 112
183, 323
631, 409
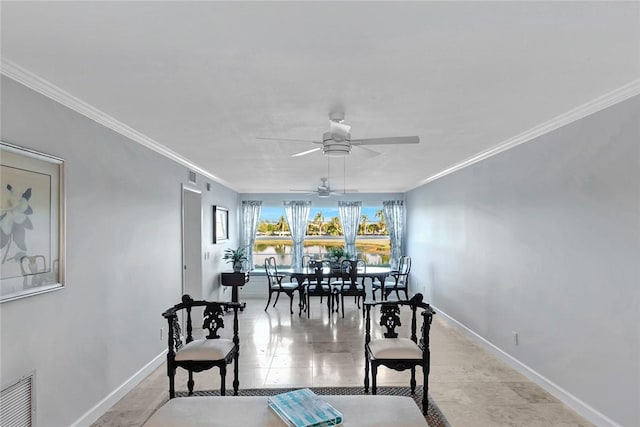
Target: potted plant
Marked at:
237, 257
336, 255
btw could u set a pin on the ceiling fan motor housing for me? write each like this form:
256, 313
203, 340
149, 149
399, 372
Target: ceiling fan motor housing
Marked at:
334, 148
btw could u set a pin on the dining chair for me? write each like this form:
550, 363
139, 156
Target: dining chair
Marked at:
305, 260
317, 286
277, 285
397, 281
395, 351
196, 355
347, 284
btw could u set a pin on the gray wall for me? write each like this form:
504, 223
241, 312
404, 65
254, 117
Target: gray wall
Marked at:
123, 260
544, 239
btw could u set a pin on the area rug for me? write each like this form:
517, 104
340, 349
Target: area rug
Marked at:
434, 416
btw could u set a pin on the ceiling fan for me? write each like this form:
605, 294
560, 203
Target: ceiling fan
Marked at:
338, 143
324, 190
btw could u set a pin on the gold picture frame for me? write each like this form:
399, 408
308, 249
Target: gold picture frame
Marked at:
32, 222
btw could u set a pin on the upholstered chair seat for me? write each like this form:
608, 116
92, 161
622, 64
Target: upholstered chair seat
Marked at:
395, 348
205, 350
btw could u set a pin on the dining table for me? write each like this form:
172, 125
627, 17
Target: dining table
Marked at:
304, 274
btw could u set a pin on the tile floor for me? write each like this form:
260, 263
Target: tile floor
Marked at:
471, 387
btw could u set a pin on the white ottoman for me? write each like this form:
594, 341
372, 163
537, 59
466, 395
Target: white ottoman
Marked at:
228, 411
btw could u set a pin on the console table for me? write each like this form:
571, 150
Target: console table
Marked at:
234, 279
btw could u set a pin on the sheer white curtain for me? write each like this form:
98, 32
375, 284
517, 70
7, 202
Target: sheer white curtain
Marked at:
394, 217
297, 215
250, 215
350, 218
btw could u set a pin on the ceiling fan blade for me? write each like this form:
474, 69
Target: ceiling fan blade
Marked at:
388, 140
302, 191
286, 139
306, 152
368, 152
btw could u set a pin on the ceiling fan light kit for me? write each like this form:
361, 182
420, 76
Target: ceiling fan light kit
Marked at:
334, 148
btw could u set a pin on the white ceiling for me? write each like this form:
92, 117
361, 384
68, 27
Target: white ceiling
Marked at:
206, 78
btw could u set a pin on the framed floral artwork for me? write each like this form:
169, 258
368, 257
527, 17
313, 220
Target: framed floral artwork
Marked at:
32, 221
220, 224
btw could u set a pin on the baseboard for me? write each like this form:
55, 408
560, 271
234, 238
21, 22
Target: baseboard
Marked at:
582, 408
103, 406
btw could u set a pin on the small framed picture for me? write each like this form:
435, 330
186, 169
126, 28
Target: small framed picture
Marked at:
220, 224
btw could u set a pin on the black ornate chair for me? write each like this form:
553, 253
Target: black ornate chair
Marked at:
397, 281
395, 352
317, 286
196, 355
276, 284
348, 285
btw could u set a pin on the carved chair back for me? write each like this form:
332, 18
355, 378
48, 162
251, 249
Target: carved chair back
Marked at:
390, 319
273, 277
349, 270
317, 281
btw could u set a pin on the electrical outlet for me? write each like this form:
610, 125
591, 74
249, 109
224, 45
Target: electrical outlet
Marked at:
515, 337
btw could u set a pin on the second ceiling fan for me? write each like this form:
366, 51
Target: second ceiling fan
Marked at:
324, 190
337, 141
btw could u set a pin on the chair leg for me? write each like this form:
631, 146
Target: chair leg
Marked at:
171, 372
268, 301
374, 374
236, 383
223, 377
366, 372
425, 390
413, 380
277, 298
342, 301
291, 303
190, 383
398, 295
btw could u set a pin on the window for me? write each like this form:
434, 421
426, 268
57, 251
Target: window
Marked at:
324, 231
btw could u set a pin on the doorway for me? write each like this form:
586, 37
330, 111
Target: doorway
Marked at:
192, 244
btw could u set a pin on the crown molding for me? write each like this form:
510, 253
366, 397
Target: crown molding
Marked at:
48, 89
614, 97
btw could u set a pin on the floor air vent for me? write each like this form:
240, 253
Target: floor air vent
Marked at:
16, 404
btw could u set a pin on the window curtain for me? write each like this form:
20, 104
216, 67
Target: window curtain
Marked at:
297, 215
250, 215
394, 218
350, 218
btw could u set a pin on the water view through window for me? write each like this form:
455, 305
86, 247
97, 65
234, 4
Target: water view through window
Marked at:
324, 231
